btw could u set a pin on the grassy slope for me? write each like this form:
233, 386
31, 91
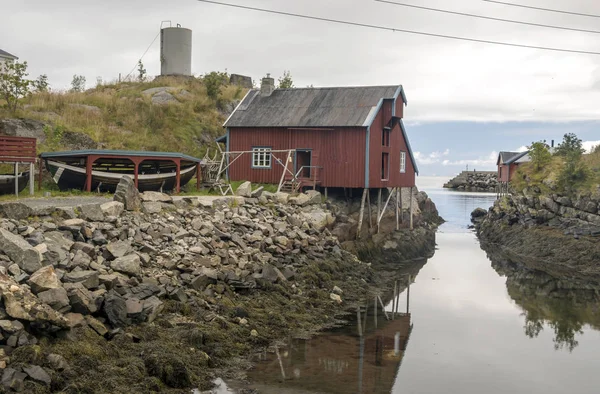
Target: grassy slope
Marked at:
527, 177
128, 120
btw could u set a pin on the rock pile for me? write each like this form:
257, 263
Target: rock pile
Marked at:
106, 267
474, 181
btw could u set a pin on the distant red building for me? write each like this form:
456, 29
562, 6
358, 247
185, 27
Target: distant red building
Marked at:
350, 137
508, 162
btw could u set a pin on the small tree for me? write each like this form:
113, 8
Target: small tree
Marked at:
540, 155
213, 82
13, 84
141, 71
285, 81
41, 84
571, 145
78, 83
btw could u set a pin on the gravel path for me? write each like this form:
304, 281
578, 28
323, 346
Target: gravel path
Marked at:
61, 201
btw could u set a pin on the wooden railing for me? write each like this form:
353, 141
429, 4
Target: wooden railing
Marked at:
17, 149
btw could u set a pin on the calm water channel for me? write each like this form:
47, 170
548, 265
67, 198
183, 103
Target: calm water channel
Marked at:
473, 327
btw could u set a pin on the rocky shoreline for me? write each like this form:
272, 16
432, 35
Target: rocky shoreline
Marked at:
553, 233
474, 181
153, 294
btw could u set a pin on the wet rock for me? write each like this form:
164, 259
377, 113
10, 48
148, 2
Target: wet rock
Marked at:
38, 374
115, 308
128, 194
57, 298
57, 362
20, 251
130, 265
112, 208
44, 279
13, 379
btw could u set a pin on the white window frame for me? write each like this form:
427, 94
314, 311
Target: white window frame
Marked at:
261, 157
402, 161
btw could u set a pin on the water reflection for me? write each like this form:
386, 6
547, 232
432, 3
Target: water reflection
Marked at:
564, 305
363, 357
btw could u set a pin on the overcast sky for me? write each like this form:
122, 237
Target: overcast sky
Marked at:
466, 100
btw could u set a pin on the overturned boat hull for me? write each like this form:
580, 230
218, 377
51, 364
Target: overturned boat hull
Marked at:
69, 177
7, 183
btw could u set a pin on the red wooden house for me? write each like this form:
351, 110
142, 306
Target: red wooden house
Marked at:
508, 163
340, 137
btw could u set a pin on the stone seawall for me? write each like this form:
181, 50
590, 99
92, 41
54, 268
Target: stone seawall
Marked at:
474, 181
154, 293
554, 233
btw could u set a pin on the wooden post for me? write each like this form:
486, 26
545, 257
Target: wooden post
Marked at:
408, 295
197, 176
358, 322
378, 204
17, 179
369, 206
136, 171
285, 168
326, 193
383, 211
397, 213
411, 207
375, 312
394, 299
178, 176
383, 307
41, 165
362, 212
31, 178
400, 198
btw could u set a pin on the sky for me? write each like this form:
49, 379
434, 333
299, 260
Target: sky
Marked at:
466, 100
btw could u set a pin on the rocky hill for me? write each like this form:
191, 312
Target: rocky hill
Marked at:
167, 114
474, 181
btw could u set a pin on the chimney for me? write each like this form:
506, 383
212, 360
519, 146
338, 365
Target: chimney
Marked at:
552, 143
267, 86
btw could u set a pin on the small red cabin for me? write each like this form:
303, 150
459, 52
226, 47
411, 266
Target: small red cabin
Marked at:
508, 163
340, 137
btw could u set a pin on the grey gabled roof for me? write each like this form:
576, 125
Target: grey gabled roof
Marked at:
312, 107
503, 157
518, 158
7, 55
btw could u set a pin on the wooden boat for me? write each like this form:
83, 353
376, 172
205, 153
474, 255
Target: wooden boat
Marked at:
7, 182
69, 177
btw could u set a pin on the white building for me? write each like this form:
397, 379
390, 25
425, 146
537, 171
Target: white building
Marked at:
6, 57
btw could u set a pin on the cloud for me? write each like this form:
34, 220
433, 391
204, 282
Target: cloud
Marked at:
432, 158
481, 162
590, 145
522, 148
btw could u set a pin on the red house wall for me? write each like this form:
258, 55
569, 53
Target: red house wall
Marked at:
397, 144
340, 151
504, 177
400, 107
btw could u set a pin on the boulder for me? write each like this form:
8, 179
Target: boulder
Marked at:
44, 279
11, 326
56, 298
23, 128
300, 200
38, 374
21, 304
244, 190
152, 207
281, 197
128, 194
20, 251
130, 265
15, 210
13, 379
91, 212
89, 279
152, 308
156, 197
115, 308
314, 197
96, 325
112, 208
82, 300
119, 249
162, 98
57, 362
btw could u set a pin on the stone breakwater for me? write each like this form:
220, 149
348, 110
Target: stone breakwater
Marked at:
553, 233
474, 181
150, 293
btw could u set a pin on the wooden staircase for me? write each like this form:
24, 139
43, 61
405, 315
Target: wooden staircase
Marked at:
290, 186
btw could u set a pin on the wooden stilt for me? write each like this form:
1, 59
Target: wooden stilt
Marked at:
400, 198
31, 178
358, 322
408, 294
375, 312
394, 299
88, 173
397, 213
362, 212
178, 177
411, 207
378, 204
383, 307
369, 206
383, 211
326, 193
41, 165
